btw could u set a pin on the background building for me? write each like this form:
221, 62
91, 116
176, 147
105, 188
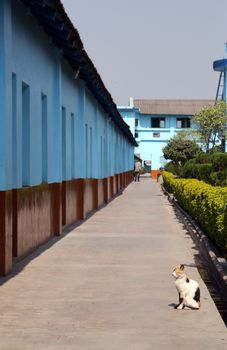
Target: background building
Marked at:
154, 122
64, 148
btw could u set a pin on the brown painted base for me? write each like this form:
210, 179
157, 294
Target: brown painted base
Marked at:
31, 216
6, 216
34, 218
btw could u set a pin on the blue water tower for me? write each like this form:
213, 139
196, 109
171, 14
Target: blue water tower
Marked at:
221, 66
221, 94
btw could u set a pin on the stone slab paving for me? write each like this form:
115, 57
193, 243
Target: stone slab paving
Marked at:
107, 285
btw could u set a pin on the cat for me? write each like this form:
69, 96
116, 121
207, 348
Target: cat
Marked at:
188, 290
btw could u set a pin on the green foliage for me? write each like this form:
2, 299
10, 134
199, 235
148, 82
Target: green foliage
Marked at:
211, 123
179, 150
172, 168
209, 168
220, 161
189, 169
205, 203
197, 171
203, 158
218, 178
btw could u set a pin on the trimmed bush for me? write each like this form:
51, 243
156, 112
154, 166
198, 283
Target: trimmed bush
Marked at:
206, 167
172, 167
220, 161
197, 171
204, 171
203, 158
189, 170
219, 178
205, 203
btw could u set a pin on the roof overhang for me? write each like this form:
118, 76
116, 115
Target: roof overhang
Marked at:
52, 17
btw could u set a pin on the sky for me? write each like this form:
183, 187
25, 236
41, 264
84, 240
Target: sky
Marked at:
153, 48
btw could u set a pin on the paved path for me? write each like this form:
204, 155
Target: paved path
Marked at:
107, 285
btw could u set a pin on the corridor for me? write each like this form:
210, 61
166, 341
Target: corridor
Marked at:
107, 284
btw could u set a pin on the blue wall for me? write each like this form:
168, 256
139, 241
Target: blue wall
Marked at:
5, 93
55, 129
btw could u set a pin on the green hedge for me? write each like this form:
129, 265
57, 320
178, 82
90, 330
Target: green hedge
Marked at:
220, 161
206, 167
218, 178
205, 203
197, 171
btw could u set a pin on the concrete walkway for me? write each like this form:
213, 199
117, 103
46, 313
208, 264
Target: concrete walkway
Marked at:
107, 285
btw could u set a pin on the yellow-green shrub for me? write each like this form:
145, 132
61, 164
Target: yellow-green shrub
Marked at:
205, 203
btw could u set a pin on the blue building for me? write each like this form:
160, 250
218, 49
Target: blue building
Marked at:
154, 122
64, 148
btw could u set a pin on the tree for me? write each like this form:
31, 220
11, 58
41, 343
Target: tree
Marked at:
180, 149
211, 122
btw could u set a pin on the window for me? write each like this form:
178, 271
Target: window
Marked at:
136, 135
25, 134
157, 122
136, 122
156, 134
183, 123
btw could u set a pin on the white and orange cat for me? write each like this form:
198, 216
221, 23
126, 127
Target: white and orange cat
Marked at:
188, 290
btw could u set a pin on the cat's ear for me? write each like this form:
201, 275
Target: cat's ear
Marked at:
182, 267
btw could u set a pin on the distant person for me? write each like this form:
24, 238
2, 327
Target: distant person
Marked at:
137, 170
